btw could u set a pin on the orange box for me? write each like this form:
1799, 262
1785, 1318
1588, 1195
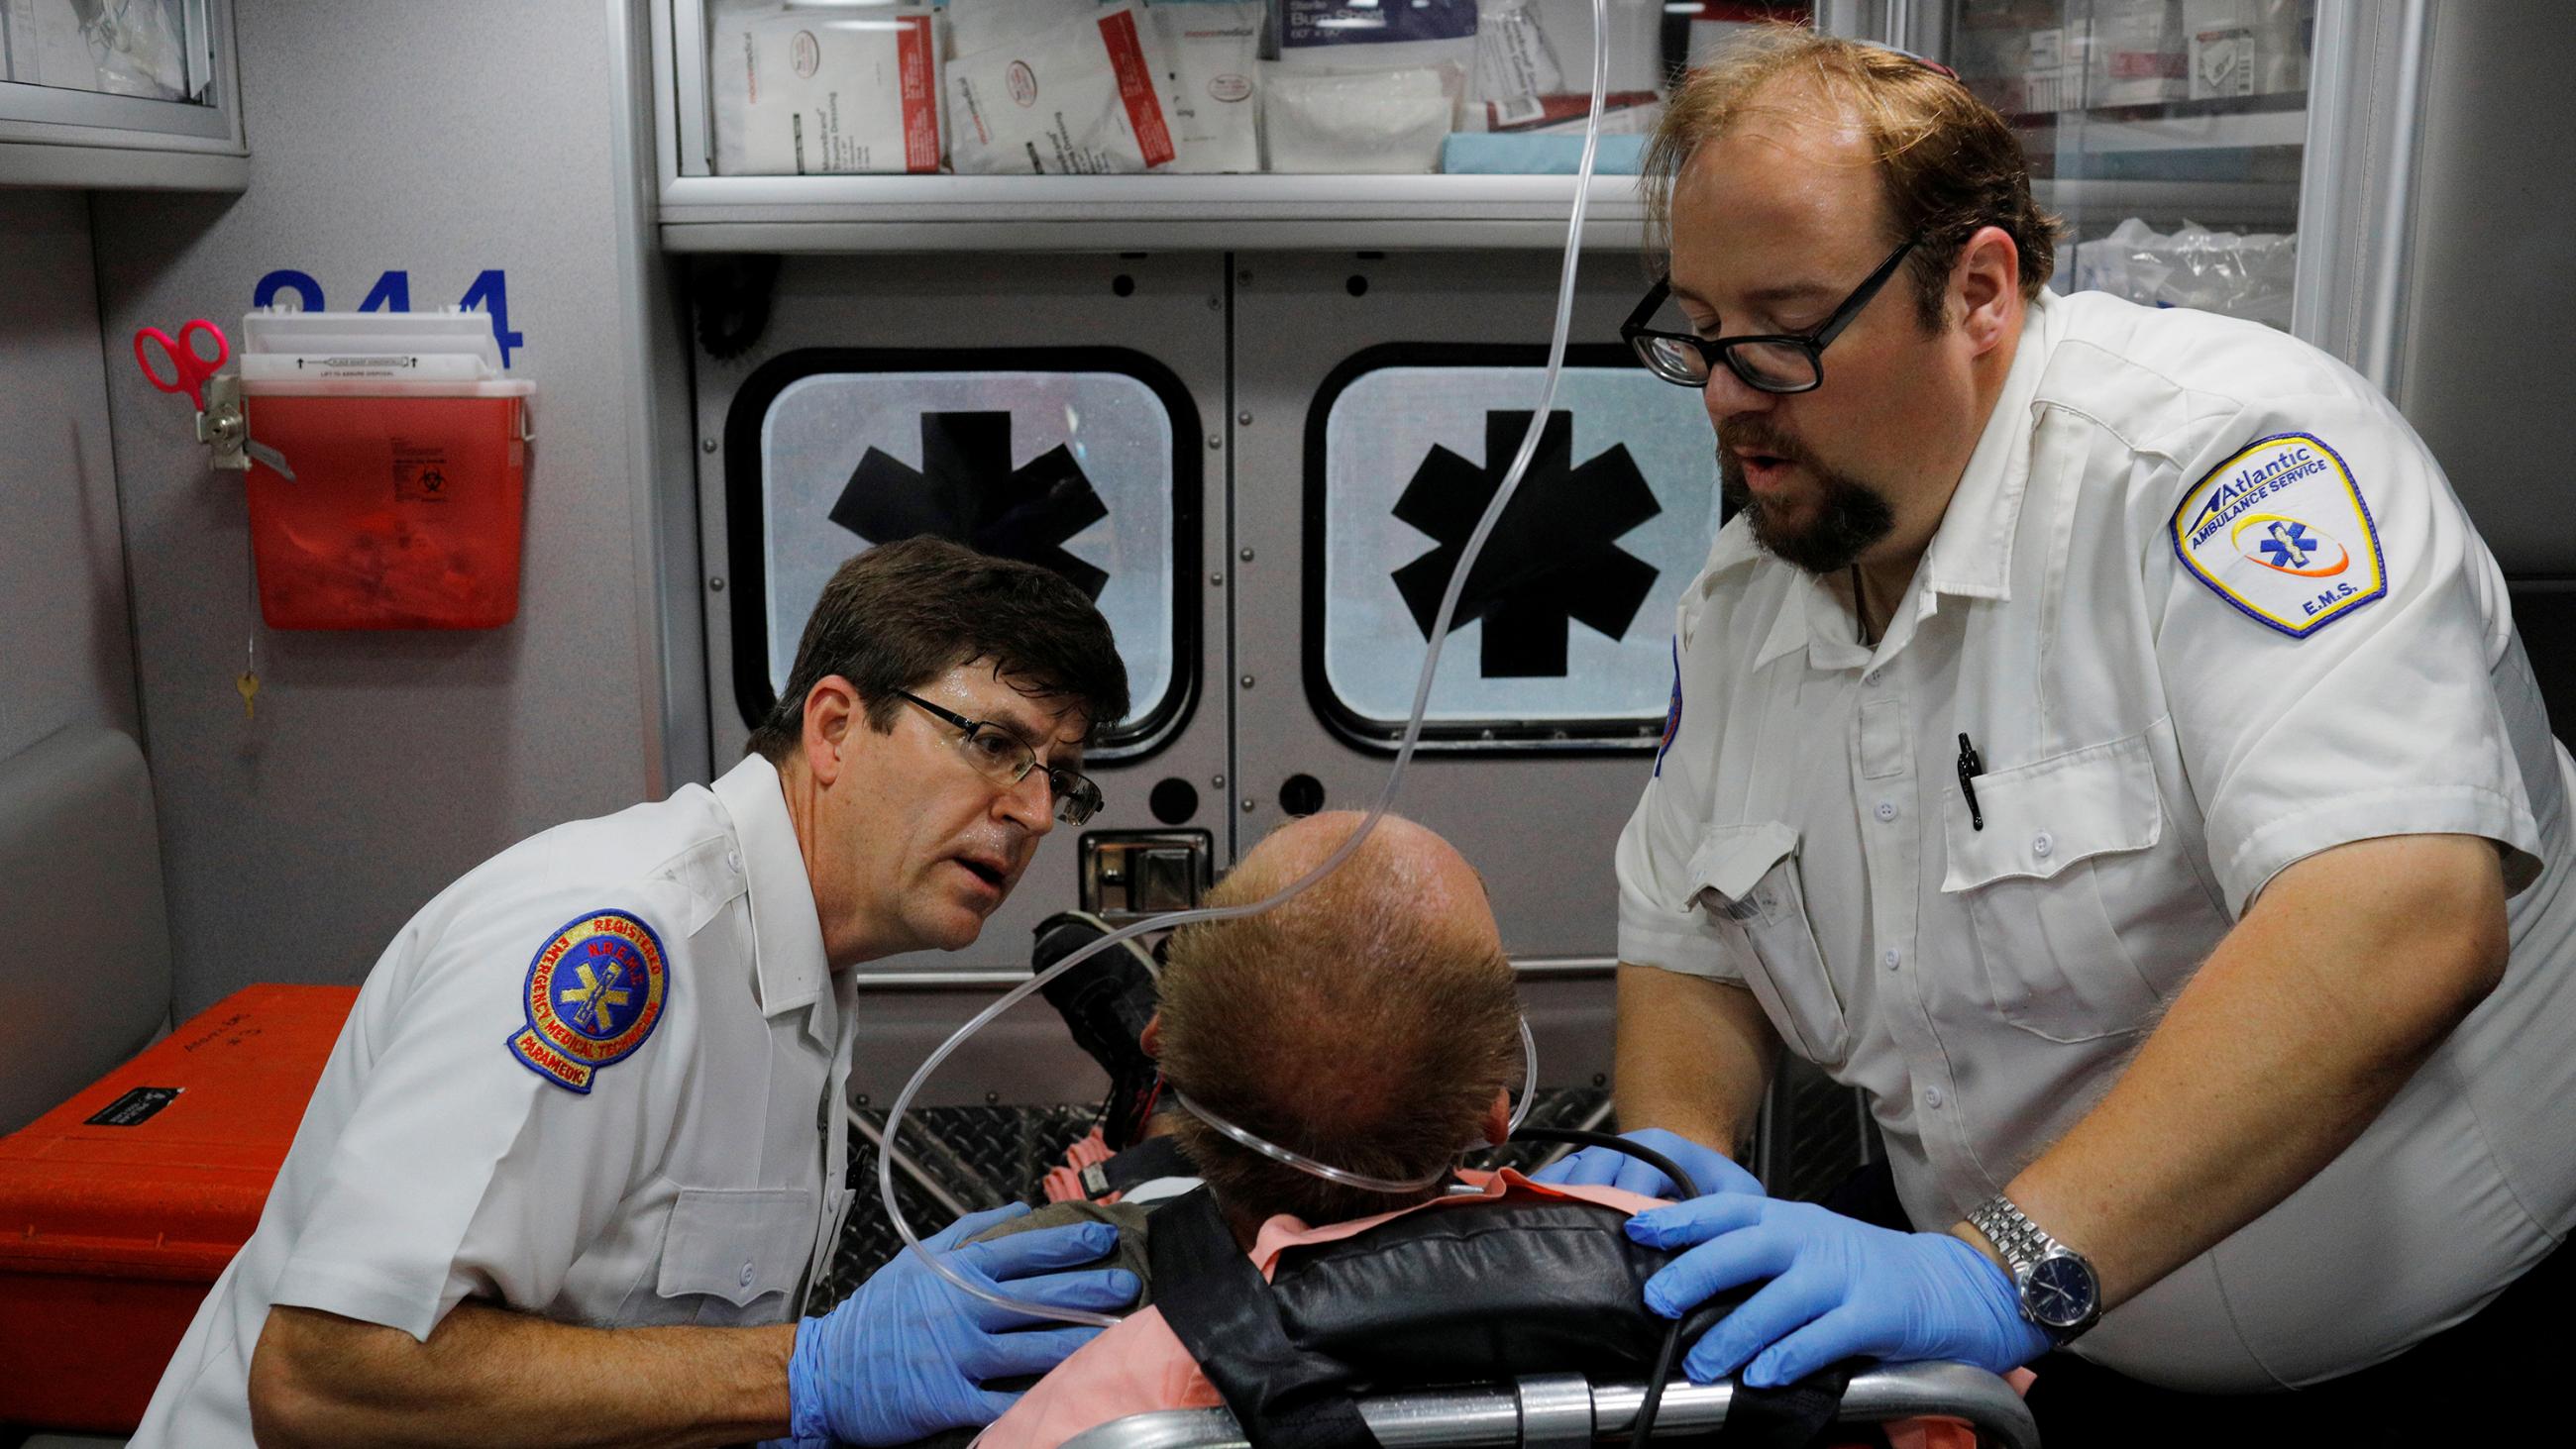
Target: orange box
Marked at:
120, 1208
405, 511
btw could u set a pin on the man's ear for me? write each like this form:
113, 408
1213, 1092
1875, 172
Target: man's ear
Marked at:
1986, 283
1151, 1038
1498, 1119
833, 717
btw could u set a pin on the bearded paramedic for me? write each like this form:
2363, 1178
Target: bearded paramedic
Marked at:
2102, 738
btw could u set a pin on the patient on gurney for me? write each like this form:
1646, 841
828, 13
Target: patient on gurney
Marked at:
1370, 1023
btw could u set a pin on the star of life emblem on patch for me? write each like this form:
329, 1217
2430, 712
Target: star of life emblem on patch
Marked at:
2282, 533
595, 991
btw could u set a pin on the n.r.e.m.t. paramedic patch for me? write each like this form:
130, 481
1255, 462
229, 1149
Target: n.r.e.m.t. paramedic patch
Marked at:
2281, 532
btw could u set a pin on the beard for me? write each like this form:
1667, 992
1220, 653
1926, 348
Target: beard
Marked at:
1850, 513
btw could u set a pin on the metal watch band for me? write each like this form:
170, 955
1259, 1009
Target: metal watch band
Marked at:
2021, 1241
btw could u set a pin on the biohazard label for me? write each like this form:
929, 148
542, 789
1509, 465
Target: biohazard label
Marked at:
2281, 532
421, 472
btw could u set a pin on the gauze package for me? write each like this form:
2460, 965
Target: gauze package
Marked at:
1363, 121
1080, 97
805, 91
1211, 54
975, 26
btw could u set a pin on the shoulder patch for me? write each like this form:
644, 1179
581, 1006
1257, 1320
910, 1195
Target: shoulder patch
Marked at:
2281, 532
1673, 716
595, 991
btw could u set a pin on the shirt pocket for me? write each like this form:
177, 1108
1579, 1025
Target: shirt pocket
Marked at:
737, 1253
2076, 893
1746, 878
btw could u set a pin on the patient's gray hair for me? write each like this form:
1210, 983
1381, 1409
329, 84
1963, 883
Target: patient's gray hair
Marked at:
1367, 1023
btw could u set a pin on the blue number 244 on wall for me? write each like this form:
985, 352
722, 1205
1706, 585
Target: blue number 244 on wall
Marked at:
392, 293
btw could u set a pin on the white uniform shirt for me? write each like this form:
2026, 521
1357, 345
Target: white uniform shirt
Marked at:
699, 1180
2154, 750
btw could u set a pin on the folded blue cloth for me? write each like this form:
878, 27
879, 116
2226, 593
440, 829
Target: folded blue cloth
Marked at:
1497, 153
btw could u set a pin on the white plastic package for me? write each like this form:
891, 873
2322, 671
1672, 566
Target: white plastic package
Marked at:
806, 91
1363, 121
2247, 276
1080, 97
976, 26
1211, 54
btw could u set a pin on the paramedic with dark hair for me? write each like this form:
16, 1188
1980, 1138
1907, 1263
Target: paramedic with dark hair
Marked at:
577, 1157
2102, 739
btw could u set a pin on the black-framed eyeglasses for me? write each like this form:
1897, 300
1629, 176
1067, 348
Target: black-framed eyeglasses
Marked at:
1007, 759
1769, 362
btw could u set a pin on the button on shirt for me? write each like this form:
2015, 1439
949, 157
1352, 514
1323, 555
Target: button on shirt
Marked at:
2152, 755
689, 1185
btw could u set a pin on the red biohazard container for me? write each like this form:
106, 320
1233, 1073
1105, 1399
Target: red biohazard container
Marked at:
402, 497
120, 1208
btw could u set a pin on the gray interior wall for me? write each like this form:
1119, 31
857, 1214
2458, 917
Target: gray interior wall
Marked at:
68, 654
442, 140
2493, 297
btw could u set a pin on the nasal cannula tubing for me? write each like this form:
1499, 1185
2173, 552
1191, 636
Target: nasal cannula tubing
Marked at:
1439, 635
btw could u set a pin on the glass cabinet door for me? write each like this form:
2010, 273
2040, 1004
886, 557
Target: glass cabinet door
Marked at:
155, 50
2168, 134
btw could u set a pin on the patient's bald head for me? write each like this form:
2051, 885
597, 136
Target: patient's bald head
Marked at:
1369, 1023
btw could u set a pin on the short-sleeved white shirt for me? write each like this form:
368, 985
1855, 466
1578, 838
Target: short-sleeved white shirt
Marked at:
698, 1180
2162, 726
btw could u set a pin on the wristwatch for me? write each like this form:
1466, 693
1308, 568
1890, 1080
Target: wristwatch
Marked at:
2059, 1289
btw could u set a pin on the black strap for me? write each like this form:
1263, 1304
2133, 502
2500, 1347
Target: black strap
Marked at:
1147, 1160
1221, 1309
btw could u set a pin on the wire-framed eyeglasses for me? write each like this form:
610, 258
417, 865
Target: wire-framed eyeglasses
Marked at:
1766, 362
1007, 759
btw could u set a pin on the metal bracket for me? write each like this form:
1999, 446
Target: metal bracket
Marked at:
225, 428
1556, 1411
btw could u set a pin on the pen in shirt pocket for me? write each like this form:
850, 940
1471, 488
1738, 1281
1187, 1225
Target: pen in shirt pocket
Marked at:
1970, 767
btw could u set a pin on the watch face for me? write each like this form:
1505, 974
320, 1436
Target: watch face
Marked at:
2061, 1292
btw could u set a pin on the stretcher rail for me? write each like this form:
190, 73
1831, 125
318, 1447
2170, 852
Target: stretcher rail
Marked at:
1543, 1411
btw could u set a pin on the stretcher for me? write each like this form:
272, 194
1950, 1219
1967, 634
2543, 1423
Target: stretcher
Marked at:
1565, 1411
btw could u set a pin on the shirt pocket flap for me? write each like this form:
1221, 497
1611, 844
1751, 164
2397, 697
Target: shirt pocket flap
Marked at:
2041, 818
1731, 859
737, 1244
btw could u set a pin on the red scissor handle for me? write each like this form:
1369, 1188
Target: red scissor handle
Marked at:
189, 368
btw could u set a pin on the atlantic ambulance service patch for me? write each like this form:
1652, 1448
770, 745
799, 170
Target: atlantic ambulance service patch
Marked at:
595, 991
2281, 532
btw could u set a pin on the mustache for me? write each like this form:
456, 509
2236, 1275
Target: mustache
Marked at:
1757, 435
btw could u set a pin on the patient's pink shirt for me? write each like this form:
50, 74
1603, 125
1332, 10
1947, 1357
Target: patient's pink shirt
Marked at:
1140, 1366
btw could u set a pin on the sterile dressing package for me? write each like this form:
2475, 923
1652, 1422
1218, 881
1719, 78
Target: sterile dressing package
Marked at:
1211, 57
1082, 96
810, 91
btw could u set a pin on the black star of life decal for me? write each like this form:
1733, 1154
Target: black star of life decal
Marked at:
1553, 556
967, 490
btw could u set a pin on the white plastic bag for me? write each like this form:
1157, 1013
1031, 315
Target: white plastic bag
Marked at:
2247, 276
1081, 97
806, 91
1363, 121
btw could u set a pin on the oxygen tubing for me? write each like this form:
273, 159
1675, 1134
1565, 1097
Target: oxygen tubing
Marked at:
1439, 635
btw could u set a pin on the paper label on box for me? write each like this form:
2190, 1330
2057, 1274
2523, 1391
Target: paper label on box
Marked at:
1514, 69
2222, 62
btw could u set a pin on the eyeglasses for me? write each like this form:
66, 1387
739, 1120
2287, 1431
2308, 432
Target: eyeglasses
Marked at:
1007, 759
1773, 362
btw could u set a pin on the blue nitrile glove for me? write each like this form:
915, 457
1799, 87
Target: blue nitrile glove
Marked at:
905, 1356
1710, 1170
1839, 1289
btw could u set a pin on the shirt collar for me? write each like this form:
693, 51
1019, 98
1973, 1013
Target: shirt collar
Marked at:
1971, 554
786, 929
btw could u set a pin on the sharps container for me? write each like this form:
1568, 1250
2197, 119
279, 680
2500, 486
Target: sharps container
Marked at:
408, 453
120, 1208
